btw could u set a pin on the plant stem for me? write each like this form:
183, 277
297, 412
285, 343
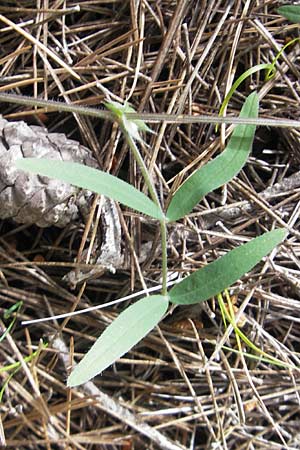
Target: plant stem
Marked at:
142, 165
52, 105
153, 194
164, 257
104, 114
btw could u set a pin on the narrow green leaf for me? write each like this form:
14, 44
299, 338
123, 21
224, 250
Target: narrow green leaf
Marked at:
125, 332
218, 171
270, 68
290, 12
7, 314
220, 274
93, 180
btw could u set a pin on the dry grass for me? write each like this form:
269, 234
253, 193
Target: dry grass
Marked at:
184, 386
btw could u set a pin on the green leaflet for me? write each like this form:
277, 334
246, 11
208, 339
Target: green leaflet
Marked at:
290, 12
93, 180
220, 274
124, 332
218, 171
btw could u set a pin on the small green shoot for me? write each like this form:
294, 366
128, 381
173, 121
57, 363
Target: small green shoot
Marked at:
246, 74
228, 314
270, 73
132, 126
8, 313
17, 365
137, 320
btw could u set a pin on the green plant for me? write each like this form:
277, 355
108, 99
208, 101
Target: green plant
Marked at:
290, 12
137, 320
11, 313
228, 314
270, 73
15, 367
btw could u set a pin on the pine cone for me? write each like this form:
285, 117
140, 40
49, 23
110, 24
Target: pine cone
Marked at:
35, 199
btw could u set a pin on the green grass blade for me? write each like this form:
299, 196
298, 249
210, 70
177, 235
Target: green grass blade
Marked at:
16, 307
270, 72
125, 332
290, 12
240, 335
218, 171
17, 365
93, 180
220, 274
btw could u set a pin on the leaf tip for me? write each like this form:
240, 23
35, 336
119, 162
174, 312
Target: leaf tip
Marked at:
283, 232
72, 380
69, 382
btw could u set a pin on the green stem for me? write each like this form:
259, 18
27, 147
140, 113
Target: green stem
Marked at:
142, 166
52, 105
104, 114
153, 194
164, 257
